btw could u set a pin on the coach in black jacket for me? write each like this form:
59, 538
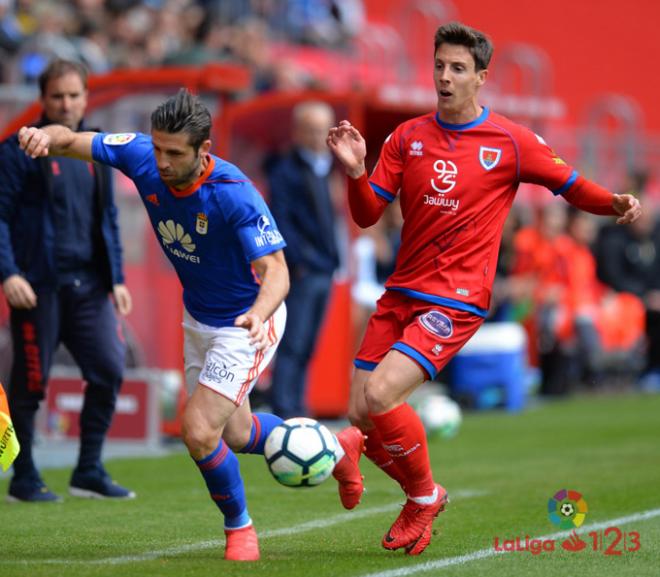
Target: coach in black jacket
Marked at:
60, 258
301, 205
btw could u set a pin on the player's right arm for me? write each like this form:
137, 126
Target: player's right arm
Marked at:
348, 145
56, 140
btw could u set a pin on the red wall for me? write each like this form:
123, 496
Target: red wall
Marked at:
596, 46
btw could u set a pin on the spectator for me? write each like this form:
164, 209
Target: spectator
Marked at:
302, 206
57, 272
628, 259
538, 283
603, 328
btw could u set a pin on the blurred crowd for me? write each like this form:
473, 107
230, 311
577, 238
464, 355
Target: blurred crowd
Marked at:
108, 34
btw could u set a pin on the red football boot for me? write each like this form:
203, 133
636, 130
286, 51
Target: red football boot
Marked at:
242, 544
412, 529
347, 470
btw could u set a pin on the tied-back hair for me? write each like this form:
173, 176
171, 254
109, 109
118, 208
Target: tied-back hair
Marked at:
58, 68
184, 112
475, 41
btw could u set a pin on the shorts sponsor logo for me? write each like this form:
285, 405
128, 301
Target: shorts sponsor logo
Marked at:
219, 372
437, 323
119, 138
437, 349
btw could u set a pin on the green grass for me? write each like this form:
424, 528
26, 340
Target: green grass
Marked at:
501, 469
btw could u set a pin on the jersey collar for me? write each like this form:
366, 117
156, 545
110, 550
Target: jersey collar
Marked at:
476, 122
195, 185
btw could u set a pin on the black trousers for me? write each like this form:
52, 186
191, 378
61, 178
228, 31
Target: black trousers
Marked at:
82, 317
306, 306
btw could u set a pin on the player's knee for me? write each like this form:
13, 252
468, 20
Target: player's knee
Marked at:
198, 438
378, 395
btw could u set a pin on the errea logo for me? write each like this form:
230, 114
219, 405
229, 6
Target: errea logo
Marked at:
172, 233
416, 147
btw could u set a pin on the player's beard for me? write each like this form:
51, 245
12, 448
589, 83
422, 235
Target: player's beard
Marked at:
184, 180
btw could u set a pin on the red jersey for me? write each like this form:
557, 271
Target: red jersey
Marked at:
456, 184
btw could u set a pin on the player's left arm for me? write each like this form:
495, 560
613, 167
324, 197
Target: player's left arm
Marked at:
539, 164
590, 197
274, 275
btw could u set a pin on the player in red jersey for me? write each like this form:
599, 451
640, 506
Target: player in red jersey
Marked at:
456, 171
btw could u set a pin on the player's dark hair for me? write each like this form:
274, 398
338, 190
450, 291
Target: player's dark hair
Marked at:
475, 41
58, 68
184, 112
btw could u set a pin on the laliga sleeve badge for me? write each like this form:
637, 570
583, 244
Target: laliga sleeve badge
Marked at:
119, 139
202, 226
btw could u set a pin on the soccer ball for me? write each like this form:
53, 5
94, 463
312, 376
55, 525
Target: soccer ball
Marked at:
567, 509
440, 415
301, 452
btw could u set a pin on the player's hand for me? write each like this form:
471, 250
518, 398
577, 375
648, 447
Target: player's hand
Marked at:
256, 329
34, 141
123, 300
347, 144
19, 292
627, 206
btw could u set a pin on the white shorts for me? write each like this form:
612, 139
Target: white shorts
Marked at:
222, 358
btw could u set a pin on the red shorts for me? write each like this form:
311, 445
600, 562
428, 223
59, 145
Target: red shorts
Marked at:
430, 334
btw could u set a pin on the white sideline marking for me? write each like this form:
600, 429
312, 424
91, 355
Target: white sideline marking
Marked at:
201, 545
484, 553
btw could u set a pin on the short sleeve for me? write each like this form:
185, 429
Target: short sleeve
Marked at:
539, 164
386, 176
253, 222
127, 151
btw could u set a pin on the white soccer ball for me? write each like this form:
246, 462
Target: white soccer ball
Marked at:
440, 415
301, 452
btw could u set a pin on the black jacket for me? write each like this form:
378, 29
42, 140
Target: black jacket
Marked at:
27, 227
301, 205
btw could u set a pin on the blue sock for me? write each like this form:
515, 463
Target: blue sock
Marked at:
262, 425
223, 479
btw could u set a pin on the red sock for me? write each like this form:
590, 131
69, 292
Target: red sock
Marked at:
373, 449
404, 439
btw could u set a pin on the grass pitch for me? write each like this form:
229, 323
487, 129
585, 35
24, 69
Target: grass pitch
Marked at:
500, 472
